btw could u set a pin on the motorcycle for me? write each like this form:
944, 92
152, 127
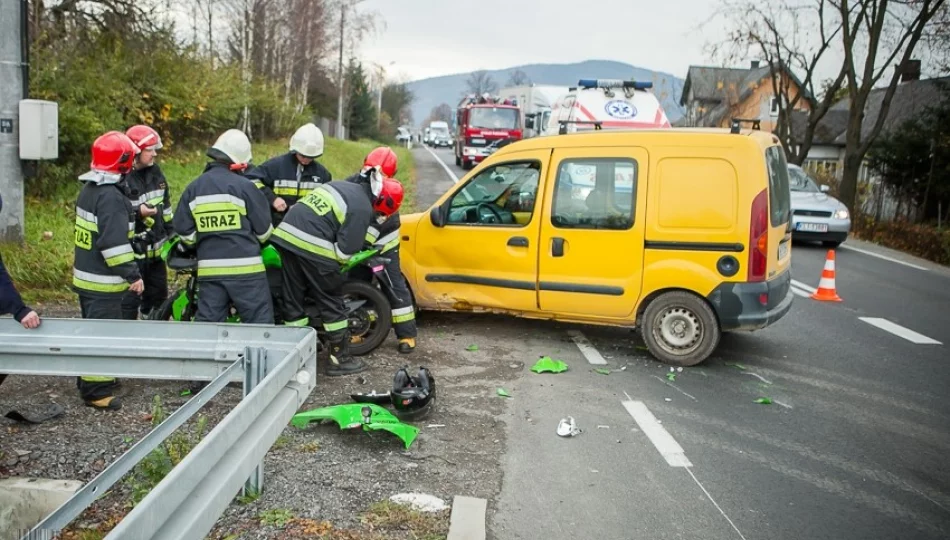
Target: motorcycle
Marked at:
366, 304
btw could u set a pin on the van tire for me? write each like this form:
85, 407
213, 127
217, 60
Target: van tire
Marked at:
679, 314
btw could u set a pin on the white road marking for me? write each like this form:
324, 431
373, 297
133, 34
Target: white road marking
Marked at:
900, 331
668, 383
716, 504
665, 444
759, 377
799, 292
452, 174
879, 256
777, 402
803, 286
588, 350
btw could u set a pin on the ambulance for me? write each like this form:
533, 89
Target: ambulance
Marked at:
596, 104
606, 104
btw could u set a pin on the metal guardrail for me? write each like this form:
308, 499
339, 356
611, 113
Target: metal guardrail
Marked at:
276, 364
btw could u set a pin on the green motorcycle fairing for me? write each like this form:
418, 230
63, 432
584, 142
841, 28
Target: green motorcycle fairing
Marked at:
358, 258
349, 416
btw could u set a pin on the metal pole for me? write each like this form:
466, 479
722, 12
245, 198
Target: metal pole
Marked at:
339, 102
255, 369
11, 92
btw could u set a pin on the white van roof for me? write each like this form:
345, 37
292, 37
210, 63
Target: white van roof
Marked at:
612, 103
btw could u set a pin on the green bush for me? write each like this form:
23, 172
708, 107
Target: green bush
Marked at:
102, 83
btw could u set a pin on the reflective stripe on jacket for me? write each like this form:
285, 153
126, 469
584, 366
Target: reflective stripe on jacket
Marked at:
103, 260
283, 176
228, 218
148, 186
329, 225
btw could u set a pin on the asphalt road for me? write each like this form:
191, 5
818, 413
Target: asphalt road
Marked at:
855, 443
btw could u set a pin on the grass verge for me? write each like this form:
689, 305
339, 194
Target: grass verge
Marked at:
41, 267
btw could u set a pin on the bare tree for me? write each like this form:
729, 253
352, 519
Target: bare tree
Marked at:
783, 34
480, 82
518, 78
443, 112
889, 32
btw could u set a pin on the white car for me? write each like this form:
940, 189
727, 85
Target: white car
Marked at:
815, 214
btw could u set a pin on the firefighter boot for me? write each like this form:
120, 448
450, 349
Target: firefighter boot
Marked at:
407, 345
341, 362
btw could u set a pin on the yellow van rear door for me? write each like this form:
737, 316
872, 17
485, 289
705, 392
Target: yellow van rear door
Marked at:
780, 236
591, 247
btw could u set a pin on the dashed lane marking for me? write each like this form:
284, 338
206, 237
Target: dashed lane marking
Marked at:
588, 350
900, 331
879, 256
665, 444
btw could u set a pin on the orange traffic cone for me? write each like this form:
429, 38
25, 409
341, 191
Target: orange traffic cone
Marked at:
826, 287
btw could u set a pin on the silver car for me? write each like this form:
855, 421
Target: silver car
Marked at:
815, 214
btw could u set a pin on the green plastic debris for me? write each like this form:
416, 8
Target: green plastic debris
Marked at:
671, 376
351, 415
603, 371
471, 348
546, 363
185, 392
764, 401
503, 393
736, 365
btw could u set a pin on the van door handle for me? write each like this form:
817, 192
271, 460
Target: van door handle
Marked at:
518, 241
557, 247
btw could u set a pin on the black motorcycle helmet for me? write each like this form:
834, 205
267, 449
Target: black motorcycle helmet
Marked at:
412, 398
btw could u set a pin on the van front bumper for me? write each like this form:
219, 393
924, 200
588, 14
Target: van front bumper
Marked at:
752, 306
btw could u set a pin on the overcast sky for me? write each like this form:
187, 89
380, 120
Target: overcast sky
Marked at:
427, 38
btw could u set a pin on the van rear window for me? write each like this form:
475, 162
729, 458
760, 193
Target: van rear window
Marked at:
780, 198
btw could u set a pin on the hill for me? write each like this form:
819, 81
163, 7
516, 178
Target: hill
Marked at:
429, 93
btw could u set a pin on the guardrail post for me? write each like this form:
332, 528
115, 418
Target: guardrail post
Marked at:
255, 369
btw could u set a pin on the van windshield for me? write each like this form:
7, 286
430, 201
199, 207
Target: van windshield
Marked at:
779, 194
494, 118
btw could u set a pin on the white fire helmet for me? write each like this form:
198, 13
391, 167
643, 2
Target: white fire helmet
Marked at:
307, 141
234, 144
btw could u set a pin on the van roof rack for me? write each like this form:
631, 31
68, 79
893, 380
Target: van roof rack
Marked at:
562, 124
737, 123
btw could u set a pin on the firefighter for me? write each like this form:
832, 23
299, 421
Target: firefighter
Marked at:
104, 268
225, 218
326, 228
287, 178
385, 237
151, 198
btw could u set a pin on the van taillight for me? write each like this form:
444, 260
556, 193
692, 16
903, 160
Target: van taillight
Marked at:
759, 237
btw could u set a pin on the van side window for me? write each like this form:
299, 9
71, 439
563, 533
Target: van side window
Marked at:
780, 198
595, 193
501, 195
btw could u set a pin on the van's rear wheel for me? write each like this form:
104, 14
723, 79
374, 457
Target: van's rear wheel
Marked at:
680, 329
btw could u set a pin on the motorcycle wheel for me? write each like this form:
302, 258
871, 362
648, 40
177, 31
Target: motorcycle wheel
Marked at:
371, 322
164, 312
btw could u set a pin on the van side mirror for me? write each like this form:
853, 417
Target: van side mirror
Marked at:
529, 122
824, 188
437, 216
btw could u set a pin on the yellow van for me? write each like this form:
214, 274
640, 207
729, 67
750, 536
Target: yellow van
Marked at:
683, 233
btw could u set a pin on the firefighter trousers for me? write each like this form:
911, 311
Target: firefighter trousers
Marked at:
404, 317
155, 277
250, 296
100, 306
302, 278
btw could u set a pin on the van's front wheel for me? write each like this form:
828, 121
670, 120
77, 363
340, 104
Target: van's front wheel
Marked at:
680, 329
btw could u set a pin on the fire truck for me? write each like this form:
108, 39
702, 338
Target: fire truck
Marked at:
482, 124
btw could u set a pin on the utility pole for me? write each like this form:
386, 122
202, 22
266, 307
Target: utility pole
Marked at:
13, 68
339, 103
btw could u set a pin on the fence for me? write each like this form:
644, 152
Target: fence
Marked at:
277, 366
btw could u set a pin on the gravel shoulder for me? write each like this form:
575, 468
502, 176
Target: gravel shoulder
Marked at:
319, 481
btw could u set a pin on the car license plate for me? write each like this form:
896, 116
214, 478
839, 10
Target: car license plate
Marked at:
812, 227
782, 250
